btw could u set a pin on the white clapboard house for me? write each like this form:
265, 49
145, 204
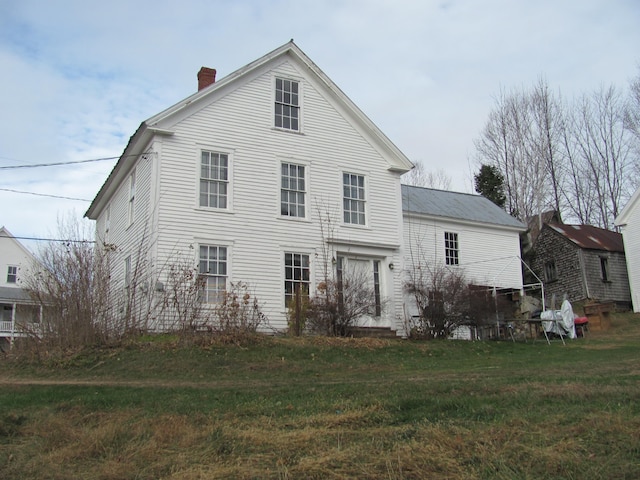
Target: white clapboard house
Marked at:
629, 223
17, 310
254, 178
463, 233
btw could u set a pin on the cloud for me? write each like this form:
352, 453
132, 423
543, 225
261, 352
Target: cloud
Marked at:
79, 77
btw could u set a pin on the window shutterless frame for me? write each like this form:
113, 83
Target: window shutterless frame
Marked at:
287, 104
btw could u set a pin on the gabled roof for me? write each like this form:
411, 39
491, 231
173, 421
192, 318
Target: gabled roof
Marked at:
623, 216
162, 122
466, 207
4, 233
589, 237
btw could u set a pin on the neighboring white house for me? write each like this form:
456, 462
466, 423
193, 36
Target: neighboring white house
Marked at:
254, 178
461, 232
629, 222
15, 304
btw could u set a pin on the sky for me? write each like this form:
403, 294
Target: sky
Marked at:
77, 77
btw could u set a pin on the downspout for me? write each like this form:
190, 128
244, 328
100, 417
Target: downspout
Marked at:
583, 272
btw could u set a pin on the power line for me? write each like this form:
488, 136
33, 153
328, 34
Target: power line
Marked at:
31, 165
48, 239
72, 162
44, 195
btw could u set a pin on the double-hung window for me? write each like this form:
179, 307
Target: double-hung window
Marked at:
287, 105
451, 252
214, 179
132, 196
296, 276
293, 190
213, 272
12, 274
353, 198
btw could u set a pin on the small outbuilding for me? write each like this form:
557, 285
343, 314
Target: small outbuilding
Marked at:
582, 261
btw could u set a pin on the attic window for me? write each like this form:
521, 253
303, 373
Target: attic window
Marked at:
287, 106
12, 274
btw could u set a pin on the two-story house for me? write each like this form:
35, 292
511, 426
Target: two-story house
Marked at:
16, 306
254, 179
629, 223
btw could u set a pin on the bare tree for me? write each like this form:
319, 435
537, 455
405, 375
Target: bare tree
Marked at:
577, 158
506, 143
420, 177
345, 293
605, 151
70, 283
547, 115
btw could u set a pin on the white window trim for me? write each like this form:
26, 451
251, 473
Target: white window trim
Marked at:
131, 196
283, 275
307, 181
214, 243
17, 269
127, 271
457, 249
230, 180
300, 103
366, 199
107, 224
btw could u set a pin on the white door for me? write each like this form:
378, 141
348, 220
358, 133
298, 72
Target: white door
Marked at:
363, 276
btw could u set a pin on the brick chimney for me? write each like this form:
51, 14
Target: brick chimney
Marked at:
206, 77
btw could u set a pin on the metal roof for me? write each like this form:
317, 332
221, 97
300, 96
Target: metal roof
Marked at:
590, 237
456, 206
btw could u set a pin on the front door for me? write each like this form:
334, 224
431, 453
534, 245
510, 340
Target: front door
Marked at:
363, 285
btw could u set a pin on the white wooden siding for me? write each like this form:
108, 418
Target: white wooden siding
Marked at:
243, 122
14, 254
631, 238
135, 238
487, 255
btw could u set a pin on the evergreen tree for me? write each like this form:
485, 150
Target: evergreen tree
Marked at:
489, 182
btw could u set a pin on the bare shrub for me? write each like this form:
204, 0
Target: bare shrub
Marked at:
297, 313
183, 297
443, 298
235, 319
70, 283
340, 302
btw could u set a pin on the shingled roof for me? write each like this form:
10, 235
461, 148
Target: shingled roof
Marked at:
456, 206
590, 237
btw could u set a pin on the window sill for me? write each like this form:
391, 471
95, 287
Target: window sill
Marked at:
213, 210
287, 130
286, 218
356, 226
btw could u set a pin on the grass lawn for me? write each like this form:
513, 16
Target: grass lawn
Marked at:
329, 408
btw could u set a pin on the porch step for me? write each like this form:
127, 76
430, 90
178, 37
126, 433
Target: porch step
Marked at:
371, 332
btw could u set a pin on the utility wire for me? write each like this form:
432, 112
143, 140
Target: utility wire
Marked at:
57, 163
71, 162
48, 239
44, 195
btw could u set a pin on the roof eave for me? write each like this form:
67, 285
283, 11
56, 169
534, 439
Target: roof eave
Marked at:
427, 216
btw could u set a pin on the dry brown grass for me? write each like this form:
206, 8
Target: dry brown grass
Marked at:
444, 416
